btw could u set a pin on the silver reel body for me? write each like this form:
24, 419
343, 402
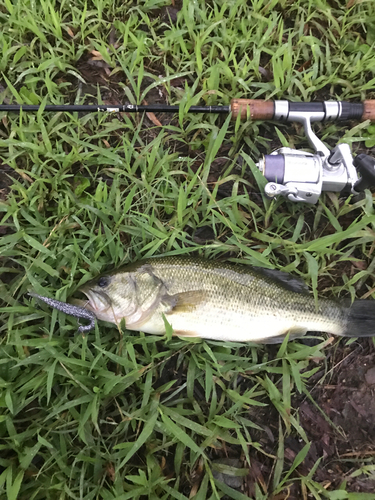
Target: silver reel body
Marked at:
302, 176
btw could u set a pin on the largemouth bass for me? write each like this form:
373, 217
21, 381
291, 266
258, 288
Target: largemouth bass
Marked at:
219, 301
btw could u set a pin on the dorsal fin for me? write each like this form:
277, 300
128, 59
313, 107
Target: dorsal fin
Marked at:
286, 280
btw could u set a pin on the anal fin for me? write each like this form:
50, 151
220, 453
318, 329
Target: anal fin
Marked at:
185, 333
294, 333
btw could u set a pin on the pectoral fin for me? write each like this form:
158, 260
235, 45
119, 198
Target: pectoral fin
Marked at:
184, 301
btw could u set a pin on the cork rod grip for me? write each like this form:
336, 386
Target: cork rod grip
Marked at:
368, 110
253, 108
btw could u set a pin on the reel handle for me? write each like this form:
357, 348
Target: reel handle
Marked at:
365, 165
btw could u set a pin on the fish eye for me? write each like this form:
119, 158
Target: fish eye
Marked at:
103, 281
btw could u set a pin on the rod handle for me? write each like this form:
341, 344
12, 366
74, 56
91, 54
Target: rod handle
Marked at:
256, 109
368, 110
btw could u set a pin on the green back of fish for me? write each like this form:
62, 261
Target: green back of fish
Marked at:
232, 285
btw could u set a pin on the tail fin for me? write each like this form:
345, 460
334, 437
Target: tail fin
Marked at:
361, 319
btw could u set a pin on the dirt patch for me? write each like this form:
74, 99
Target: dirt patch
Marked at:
350, 403
7, 176
341, 424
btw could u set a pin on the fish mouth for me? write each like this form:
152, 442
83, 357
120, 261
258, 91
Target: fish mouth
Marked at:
98, 302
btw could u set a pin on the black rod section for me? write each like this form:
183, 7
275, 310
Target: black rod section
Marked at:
124, 108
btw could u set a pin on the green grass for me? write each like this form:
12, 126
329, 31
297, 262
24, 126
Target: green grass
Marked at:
117, 415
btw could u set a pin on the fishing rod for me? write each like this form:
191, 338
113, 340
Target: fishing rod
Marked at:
297, 175
255, 109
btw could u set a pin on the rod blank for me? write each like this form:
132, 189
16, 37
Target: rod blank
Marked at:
124, 108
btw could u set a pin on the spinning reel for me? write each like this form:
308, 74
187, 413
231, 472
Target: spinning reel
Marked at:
297, 175
302, 176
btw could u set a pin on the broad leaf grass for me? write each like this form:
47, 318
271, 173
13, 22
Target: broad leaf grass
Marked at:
122, 415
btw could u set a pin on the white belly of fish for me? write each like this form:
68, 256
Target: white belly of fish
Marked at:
219, 325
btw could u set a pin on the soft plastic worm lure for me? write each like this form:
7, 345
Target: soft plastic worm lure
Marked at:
76, 311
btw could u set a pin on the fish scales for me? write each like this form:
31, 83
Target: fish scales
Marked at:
211, 300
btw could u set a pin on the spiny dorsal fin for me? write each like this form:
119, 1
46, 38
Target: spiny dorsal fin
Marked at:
286, 280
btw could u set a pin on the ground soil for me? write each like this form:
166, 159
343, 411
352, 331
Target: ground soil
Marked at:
338, 422
340, 425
